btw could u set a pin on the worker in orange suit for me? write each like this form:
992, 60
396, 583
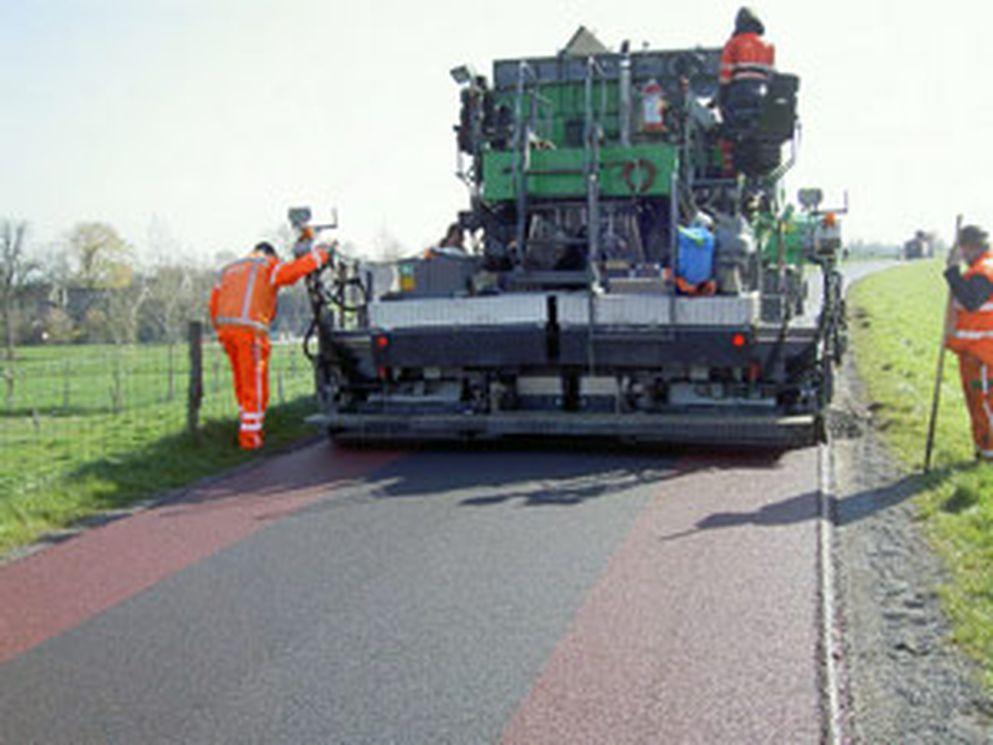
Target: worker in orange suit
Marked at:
242, 306
747, 56
971, 336
747, 64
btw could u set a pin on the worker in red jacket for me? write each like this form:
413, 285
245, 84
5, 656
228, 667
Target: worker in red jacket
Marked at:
972, 335
747, 64
242, 305
746, 55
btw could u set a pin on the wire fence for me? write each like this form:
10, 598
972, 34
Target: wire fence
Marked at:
62, 407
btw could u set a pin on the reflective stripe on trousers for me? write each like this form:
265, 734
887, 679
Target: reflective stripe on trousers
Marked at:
257, 325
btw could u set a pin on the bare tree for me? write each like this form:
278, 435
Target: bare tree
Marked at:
386, 246
221, 258
123, 306
170, 298
15, 271
281, 236
169, 286
58, 274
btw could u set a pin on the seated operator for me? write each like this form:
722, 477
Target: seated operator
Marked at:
452, 244
747, 64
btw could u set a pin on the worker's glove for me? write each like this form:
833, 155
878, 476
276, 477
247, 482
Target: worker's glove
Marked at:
326, 252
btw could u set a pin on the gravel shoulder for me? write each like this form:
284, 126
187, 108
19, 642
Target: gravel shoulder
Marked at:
902, 679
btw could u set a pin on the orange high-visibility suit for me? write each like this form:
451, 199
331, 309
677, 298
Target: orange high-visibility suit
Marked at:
242, 305
972, 340
747, 61
747, 56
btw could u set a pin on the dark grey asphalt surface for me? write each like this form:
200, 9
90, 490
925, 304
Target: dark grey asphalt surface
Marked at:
413, 607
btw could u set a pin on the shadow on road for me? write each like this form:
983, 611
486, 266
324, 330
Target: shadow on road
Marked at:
536, 475
533, 473
787, 512
547, 472
844, 510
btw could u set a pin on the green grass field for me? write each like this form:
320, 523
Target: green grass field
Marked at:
896, 324
88, 428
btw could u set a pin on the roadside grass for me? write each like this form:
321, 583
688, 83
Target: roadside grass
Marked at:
89, 429
896, 318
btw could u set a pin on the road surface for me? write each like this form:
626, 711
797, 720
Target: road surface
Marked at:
448, 595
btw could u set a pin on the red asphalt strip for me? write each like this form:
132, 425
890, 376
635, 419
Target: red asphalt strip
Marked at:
702, 627
59, 588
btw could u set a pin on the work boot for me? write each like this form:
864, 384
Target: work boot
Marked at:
249, 440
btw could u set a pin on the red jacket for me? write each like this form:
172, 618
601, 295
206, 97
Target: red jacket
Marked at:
245, 294
747, 56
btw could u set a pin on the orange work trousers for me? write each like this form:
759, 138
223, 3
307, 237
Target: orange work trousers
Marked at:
248, 351
978, 389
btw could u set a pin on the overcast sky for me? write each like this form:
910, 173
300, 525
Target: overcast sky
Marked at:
206, 119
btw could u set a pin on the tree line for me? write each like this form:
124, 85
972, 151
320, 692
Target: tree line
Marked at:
93, 289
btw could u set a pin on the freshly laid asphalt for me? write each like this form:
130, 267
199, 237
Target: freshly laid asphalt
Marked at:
442, 596
559, 594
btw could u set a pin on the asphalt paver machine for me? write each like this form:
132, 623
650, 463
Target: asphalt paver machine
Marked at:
631, 270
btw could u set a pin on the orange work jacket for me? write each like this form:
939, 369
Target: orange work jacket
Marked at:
245, 293
973, 332
746, 56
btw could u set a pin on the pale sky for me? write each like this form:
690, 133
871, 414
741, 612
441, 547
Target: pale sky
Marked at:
208, 118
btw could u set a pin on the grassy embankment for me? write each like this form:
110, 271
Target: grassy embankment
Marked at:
87, 429
896, 323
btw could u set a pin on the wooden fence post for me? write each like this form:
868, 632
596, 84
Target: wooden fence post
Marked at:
8, 379
66, 394
195, 397
171, 390
116, 385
